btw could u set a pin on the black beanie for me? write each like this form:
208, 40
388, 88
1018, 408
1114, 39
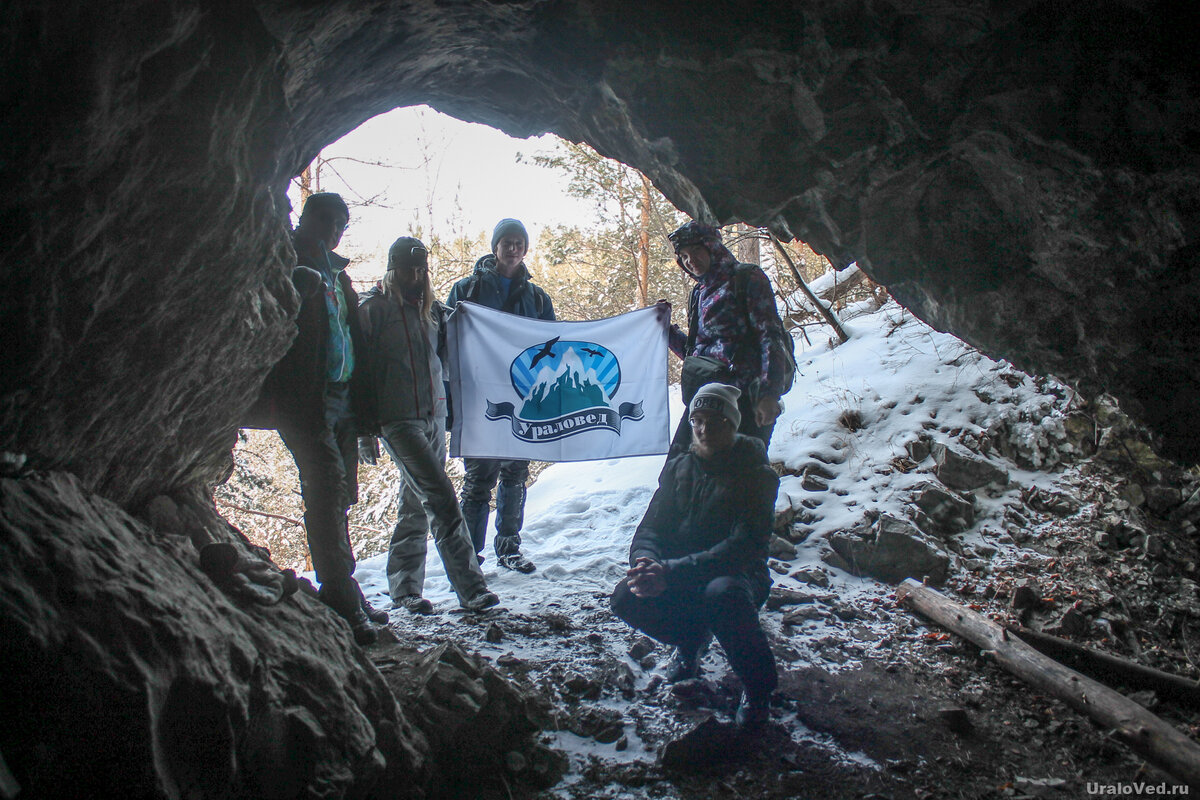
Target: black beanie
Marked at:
509, 227
326, 199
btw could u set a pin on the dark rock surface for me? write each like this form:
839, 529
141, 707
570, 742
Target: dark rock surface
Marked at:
965, 471
1024, 175
125, 667
943, 512
891, 550
480, 726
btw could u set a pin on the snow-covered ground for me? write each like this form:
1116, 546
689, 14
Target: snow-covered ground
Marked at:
853, 409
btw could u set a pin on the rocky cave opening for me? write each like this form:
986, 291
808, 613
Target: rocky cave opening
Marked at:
1024, 176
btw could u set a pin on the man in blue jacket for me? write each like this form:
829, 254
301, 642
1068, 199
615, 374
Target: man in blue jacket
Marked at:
501, 281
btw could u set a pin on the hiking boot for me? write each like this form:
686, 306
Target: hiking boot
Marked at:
481, 600
516, 561
376, 615
346, 603
752, 713
364, 632
414, 603
682, 666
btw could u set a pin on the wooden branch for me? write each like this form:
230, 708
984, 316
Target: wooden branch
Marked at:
1101, 665
236, 507
295, 522
1144, 733
822, 309
842, 288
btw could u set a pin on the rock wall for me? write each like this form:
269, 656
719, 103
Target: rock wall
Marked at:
127, 672
1022, 174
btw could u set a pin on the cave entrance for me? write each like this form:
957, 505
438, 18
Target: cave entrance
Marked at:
415, 171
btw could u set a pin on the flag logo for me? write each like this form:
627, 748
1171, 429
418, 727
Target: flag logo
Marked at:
564, 388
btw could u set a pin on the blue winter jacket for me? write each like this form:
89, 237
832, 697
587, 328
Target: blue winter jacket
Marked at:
484, 286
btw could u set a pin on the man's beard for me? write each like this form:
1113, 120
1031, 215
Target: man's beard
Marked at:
413, 293
701, 450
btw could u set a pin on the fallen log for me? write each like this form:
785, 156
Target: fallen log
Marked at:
1107, 667
1143, 732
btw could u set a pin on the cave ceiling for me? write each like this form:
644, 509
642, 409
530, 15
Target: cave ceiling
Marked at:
1021, 174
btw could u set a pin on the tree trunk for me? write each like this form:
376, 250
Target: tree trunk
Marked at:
643, 266
1150, 737
306, 182
747, 245
822, 309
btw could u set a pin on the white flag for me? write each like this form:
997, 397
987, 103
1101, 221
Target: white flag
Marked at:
557, 391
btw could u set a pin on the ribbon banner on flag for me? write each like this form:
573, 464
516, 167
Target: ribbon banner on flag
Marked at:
557, 391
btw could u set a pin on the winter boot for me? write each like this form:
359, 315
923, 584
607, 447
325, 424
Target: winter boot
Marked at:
752, 713
516, 561
376, 615
480, 601
414, 604
684, 665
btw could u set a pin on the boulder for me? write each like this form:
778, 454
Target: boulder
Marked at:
965, 471
472, 715
128, 667
1163, 499
918, 449
892, 550
944, 512
1025, 596
1133, 494
781, 596
782, 548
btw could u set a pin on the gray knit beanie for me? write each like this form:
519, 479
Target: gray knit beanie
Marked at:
509, 227
719, 397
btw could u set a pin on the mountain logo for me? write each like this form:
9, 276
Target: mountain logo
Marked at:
565, 388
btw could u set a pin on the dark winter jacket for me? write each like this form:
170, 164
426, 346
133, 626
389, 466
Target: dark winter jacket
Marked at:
711, 517
399, 374
736, 333
295, 388
483, 286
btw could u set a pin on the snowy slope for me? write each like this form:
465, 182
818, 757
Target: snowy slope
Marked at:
900, 376
894, 380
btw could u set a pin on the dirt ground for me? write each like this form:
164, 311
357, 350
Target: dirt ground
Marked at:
873, 702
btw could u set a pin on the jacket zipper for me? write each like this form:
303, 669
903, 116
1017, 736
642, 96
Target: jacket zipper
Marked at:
411, 364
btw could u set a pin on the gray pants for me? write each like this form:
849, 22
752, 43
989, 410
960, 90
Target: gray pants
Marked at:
427, 505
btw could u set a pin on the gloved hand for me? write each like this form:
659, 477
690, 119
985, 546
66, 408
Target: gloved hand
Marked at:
368, 450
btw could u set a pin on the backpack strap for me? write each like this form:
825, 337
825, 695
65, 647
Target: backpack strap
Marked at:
693, 314
472, 292
741, 278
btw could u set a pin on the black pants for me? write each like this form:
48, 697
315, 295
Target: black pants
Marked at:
481, 477
726, 606
683, 434
326, 454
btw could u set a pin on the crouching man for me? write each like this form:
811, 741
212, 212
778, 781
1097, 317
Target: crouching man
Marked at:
699, 557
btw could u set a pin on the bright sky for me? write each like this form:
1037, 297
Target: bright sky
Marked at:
442, 174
